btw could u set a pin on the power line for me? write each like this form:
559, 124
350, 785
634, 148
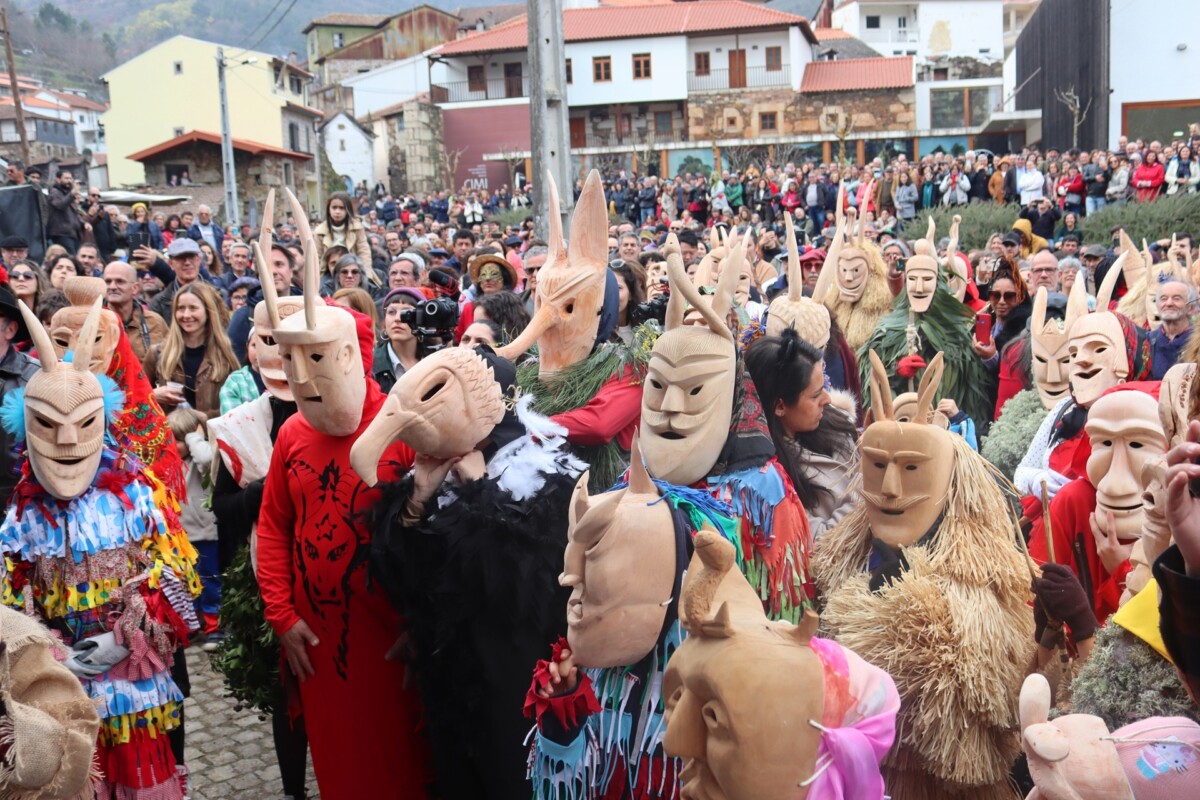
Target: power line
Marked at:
261, 22
271, 29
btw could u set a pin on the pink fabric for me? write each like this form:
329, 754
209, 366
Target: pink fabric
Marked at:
1161, 761
861, 703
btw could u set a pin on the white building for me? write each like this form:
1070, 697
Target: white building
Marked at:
86, 113
927, 29
384, 87
349, 147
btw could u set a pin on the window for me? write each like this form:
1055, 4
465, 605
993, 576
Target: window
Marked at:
774, 59
956, 108
641, 66
941, 73
662, 123
703, 66
295, 84
625, 124
178, 67
731, 122
601, 69
177, 133
768, 121
289, 173
339, 40
902, 23
342, 145
475, 79
570, 72
873, 22
293, 137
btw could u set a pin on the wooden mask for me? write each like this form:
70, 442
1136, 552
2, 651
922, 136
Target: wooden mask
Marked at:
956, 273
269, 312
921, 272
570, 286
744, 694
321, 356
1097, 343
1049, 342
906, 466
443, 407
904, 409
620, 564
66, 324
845, 257
1126, 434
687, 398
808, 316
64, 412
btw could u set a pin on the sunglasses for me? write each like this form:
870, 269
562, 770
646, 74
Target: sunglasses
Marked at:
1008, 244
21, 276
351, 272
1008, 297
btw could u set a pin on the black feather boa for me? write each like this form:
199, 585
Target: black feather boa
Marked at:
477, 582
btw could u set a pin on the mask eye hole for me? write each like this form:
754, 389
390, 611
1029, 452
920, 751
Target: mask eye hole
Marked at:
911, 468
44, 423
1136, 445
696, 390
1100, 350
287, 356
433, 391
570, 307
316, 357
87, 423
63, 343
880, 465
1107, 442
655, 384
269, 341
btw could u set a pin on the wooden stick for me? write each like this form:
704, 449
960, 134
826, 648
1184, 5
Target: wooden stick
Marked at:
1046, 522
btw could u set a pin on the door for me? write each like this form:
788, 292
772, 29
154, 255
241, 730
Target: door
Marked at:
512, 81
737, 69
578, 132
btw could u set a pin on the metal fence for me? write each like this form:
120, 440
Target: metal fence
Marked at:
749, 78
491, 89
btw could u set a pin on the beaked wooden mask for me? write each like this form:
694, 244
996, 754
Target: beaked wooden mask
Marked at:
620, 564
906, 466
66, 324
443, 407
1049, 343
269, 312
808, 316
1126, 434
322, 359
570, 286
64, 411
744, 694
687, 398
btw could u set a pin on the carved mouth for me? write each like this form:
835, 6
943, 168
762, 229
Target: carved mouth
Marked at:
314, 399
68, 462
672, 436
1087, 376
892, 512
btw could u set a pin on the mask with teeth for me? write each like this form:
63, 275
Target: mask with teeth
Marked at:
921, 272
1126, 434
1099, 360
620, 566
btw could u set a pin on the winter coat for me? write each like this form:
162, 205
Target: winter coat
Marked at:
1147, 181
955, 189
63, 220
1177, 169
1032, 186
906, 199
354, 239
1118, 187
996, 187
208, 391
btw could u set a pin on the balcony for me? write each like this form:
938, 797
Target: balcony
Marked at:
629, 139
719, 80
891, 36
491, 89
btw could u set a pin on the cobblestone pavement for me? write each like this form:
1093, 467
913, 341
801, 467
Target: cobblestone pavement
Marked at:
229, 752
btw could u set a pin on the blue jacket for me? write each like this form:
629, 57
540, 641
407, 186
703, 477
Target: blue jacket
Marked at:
218, 234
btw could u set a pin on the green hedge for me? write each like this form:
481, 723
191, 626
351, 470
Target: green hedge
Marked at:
1151, 221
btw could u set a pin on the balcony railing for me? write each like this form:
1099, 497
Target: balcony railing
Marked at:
635, 137
491, 89
892, 35
716, 80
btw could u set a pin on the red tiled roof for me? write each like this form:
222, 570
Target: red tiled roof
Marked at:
857, 73
35, 102
191, 137
75, 101
630, 22
829, 34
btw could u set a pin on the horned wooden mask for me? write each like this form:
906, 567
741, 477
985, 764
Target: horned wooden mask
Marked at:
1126, 435
1096, 344
67, 323
443, 407
620, 564
321, 356
570, 286
846, 257
1050, 346
904, 409
744, 694
270, 311
956, 273
687, 399
808, 316
906, 466
64, 411
921, 272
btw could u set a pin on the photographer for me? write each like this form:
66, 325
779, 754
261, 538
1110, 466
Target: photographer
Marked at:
414, 327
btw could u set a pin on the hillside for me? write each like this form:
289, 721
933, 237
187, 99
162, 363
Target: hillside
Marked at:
73, 42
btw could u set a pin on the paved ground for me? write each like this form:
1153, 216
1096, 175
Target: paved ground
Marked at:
229, 752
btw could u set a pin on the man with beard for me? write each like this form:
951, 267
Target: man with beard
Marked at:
1172, 336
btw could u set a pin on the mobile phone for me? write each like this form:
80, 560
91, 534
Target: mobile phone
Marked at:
983, 328
138, 239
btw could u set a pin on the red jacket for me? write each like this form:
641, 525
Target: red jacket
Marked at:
1147, 181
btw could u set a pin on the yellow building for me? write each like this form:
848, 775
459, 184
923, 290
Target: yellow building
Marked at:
171, 90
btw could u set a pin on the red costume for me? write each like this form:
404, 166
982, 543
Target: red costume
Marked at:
313, 547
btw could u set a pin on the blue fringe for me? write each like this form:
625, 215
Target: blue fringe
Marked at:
12, 411
753, 493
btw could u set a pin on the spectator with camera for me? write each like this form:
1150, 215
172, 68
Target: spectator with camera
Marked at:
402, 348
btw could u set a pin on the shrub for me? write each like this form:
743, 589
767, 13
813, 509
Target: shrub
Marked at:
979, 221
1149, 221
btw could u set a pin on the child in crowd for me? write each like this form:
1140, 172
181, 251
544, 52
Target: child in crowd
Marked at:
191, 437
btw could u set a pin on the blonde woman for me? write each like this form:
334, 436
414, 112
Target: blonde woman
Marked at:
194, 360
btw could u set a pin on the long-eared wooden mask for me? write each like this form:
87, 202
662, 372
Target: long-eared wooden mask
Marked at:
808, 316
570, 286
1049, 341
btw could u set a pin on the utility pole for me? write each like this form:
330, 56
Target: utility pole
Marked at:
233, 215
16, 91
548, 111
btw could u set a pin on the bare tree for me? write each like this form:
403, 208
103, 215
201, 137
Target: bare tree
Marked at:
1078, 111
737, 158
841, 126
450, 159
513, 159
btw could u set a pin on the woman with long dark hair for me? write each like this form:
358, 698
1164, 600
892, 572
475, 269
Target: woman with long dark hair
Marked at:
814, 441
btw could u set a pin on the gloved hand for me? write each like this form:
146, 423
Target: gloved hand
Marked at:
1060, 596
909, 366
95, 655
1054, 482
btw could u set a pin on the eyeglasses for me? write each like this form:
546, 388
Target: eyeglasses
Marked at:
1008, 244
1008, 297
21, 276
351, 272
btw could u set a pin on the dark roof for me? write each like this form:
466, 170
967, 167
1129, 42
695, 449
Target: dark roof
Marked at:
801, 8
192, 137
348, 21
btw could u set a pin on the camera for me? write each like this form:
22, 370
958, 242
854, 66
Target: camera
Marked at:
655, 309
432, 319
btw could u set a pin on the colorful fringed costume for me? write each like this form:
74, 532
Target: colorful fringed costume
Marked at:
108, 561
604, 740
948, 619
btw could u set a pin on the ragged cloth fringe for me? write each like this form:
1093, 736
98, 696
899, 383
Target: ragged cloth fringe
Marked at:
114, 697
10, 791
144, 768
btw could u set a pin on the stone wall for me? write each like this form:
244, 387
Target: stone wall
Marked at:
737, 115
960, 68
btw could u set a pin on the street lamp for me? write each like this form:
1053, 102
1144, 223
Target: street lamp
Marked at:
233, 210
